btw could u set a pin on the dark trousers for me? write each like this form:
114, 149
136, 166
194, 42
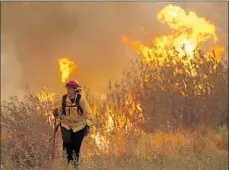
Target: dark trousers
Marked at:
72, 143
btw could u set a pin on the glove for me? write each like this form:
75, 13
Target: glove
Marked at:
55, 113
87, 130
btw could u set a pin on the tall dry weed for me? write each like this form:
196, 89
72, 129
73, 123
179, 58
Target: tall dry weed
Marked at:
169, 116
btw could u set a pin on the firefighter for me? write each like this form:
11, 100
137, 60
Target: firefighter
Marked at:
75, 120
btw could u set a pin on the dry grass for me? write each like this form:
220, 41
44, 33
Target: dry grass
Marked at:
158, 120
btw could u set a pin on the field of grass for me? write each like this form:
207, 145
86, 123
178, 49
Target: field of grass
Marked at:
161, 150
159, 116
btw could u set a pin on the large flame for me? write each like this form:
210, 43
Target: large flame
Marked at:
188, 32
67, 66
189, 29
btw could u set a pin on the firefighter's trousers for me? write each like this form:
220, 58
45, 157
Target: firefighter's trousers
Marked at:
72, 142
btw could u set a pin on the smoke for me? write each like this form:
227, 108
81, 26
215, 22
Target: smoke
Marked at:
11, 71
88, 33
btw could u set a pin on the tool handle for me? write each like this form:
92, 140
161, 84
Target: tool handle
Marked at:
54, 138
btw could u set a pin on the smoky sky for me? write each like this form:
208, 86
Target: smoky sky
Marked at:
35, 34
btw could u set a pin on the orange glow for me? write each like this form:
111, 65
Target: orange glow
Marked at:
188, 31
45, 96
67, 66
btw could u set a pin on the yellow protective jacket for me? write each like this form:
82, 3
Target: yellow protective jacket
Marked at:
72, 119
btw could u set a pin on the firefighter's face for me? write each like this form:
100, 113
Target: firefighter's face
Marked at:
70, 91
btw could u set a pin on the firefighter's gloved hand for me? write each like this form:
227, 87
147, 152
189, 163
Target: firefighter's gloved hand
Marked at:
87, 130
55, 113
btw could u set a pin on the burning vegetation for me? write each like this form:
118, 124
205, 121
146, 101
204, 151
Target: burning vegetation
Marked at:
173, 100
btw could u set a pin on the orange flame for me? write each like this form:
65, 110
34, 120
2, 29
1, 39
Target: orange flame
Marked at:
66, 68
46, 99
44, 95
188, 32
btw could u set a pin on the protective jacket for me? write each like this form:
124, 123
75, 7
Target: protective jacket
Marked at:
77, 113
